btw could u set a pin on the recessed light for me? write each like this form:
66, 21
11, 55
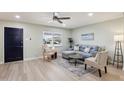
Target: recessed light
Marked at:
90, 14
17, 16
50, 21
63, 25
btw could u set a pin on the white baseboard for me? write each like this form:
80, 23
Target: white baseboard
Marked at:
27, 59
123, 69
1, 62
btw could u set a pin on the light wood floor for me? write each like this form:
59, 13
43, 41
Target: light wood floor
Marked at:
39, 70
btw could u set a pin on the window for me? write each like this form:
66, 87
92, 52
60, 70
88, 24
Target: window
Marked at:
52, 38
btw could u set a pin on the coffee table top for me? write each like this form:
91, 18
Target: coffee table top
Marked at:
75, 56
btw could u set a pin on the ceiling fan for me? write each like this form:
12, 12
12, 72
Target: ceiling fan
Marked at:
56, 17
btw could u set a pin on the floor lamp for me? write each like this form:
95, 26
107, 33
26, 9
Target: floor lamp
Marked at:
118, 54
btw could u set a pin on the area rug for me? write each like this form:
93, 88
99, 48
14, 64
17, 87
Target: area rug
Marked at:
78, 70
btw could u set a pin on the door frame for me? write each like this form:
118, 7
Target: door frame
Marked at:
4, 42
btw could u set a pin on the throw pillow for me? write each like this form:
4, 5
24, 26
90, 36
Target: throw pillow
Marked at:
87, 50
76, 48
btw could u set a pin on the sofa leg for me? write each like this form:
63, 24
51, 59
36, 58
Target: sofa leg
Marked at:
105, 69
99, 72
85, 66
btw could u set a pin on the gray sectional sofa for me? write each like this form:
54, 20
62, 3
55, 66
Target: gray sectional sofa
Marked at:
92, 52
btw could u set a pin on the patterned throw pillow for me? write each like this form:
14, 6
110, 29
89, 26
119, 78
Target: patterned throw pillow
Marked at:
76, 48
87, 50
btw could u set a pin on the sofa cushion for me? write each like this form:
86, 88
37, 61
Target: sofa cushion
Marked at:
94, 48
82, 47
85, 55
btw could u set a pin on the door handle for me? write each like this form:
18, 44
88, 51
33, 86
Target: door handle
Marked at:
21, 42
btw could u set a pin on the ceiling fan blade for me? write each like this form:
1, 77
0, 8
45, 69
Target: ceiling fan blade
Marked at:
59, 21
64, 18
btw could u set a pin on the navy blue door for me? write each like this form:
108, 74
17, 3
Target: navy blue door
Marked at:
13, 43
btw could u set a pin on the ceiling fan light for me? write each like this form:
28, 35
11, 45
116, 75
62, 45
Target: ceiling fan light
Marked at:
56, 14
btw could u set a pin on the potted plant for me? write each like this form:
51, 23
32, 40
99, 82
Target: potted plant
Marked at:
71, 42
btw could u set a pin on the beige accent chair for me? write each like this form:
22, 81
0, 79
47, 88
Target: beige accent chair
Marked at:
100, 61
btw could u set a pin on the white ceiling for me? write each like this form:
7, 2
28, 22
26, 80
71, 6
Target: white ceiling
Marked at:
77, 18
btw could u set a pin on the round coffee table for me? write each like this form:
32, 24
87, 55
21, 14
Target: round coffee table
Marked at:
75, 57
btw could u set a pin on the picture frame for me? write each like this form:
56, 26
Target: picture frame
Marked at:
88, 36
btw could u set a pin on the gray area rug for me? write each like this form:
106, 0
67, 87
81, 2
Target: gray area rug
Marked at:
77, 70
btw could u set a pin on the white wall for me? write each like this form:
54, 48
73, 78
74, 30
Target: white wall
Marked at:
123, 43
103, 34
32, 49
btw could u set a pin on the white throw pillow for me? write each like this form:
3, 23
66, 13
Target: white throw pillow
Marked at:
76, 48
87, 50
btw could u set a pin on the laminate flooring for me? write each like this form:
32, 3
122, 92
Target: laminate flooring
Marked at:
39, 70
